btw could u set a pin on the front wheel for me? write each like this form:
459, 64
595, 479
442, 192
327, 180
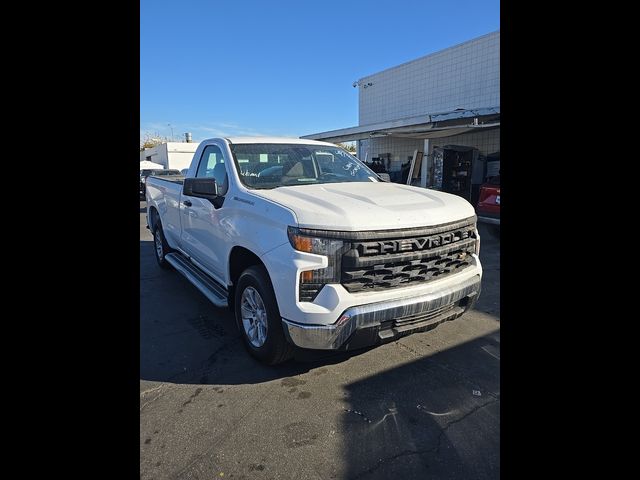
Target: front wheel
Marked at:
258, 317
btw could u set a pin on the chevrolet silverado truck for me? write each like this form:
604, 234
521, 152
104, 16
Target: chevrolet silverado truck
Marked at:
310, 248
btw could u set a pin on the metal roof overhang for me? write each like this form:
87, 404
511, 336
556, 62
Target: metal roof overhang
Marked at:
423, 126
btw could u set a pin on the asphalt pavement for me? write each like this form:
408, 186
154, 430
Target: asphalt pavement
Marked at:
425, 406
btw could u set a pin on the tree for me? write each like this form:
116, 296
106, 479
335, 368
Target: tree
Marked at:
349, 147
151, 140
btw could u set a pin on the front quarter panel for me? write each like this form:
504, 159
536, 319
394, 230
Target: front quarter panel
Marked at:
255, 224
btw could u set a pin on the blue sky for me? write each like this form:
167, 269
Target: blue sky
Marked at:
249, 67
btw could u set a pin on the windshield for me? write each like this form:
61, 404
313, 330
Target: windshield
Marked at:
272, 165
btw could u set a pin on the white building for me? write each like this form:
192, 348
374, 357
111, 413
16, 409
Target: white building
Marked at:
451, 97
175, 155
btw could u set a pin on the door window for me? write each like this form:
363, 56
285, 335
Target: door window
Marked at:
212, 166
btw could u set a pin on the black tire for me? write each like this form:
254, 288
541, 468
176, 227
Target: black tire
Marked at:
158, 239
275, 349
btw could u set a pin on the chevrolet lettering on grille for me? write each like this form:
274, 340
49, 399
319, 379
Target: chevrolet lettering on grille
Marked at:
411, 244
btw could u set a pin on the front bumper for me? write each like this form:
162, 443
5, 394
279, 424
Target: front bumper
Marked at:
373, 323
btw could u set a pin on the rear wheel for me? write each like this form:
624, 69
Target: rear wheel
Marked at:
258, 317
160, 246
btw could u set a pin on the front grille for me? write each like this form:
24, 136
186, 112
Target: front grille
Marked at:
377, 265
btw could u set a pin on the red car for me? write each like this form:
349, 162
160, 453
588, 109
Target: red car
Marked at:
488, 208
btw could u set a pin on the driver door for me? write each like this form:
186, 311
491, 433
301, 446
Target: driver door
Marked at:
202, 234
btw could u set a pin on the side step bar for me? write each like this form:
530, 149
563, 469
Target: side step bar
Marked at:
211, 289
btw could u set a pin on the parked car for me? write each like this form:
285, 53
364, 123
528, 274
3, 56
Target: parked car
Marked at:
160, 172
488, 208
312, 258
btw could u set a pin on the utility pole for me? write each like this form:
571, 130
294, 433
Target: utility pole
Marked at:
169, 125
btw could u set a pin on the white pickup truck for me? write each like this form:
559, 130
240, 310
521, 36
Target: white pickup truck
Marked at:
309, 248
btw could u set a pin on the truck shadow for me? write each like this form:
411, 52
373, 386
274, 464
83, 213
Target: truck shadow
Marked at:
185, 339
435, 417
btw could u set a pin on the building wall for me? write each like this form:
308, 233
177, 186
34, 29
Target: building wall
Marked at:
179, 160
176, 155
463, 76
157, 154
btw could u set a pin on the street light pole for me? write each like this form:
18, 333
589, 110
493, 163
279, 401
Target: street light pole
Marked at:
169, 125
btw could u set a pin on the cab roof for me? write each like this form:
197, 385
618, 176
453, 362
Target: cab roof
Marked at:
301, 141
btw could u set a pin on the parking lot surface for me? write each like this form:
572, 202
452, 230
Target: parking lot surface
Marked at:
424, 406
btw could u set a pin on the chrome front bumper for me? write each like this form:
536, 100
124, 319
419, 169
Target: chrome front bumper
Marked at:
387, 319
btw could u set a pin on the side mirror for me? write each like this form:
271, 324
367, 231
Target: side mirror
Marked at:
200, 187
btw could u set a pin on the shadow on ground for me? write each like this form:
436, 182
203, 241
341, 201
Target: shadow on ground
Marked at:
436, 417
185, 339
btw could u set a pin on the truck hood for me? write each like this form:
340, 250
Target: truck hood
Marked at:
359, 206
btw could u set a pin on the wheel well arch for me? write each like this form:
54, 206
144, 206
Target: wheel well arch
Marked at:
241, 258
153, 216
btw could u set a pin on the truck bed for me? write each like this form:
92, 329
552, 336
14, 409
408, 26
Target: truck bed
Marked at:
177, 179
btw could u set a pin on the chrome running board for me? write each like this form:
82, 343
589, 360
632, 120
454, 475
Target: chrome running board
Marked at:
211, 289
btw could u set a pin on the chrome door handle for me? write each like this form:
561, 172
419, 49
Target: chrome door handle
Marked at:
187, 203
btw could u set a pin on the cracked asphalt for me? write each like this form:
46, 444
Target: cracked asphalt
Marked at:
425, 406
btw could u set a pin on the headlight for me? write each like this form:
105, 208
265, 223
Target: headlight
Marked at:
477, 242
143, 179
311, 281
313, 244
